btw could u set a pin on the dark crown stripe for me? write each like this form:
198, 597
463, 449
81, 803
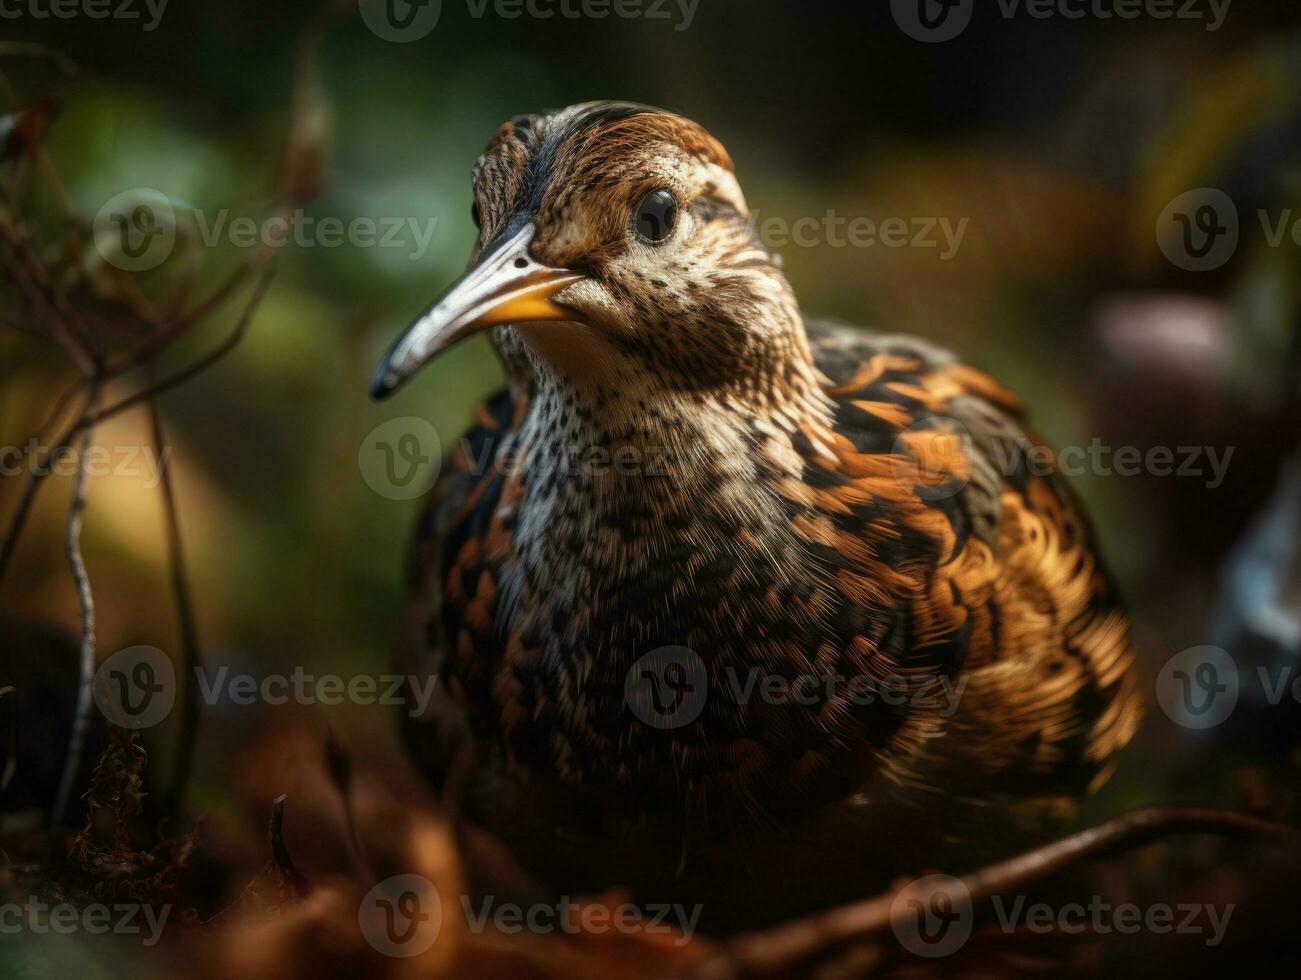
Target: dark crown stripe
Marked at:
590, 117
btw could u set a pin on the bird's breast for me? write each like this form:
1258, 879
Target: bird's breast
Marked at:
657, 616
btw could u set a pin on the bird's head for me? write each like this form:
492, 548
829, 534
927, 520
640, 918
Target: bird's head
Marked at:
615, 247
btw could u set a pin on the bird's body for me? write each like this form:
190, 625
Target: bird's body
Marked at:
714, 592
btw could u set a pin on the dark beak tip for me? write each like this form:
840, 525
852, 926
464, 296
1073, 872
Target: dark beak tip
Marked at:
381, 386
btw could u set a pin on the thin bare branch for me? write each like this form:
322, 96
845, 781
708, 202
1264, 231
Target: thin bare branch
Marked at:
280, 859
86, 601
60, 406
90, 419
35, 478
191, 654
177, 326
786, 947
153, 390
11, 752
46, 303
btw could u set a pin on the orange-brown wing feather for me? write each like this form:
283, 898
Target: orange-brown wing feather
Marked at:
1005, 580
452, 584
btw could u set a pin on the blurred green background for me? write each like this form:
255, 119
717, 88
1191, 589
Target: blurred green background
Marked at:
1060, 141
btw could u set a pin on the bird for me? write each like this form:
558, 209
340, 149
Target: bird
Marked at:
693, 583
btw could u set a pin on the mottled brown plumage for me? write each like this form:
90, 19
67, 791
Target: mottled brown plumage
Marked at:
681, 460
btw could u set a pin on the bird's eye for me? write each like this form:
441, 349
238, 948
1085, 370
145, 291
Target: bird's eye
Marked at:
656, 215
474, 214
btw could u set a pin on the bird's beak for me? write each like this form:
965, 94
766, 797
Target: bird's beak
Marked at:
506, 285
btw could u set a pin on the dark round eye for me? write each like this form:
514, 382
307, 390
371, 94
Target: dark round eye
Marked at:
474, 213
656, 215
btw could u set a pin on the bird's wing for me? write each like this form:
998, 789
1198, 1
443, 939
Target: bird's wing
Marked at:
1009, 585
447, 558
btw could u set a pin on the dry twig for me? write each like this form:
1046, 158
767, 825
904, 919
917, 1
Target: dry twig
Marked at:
191, 653
785, 948
282, 863
107, 333
86, 603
